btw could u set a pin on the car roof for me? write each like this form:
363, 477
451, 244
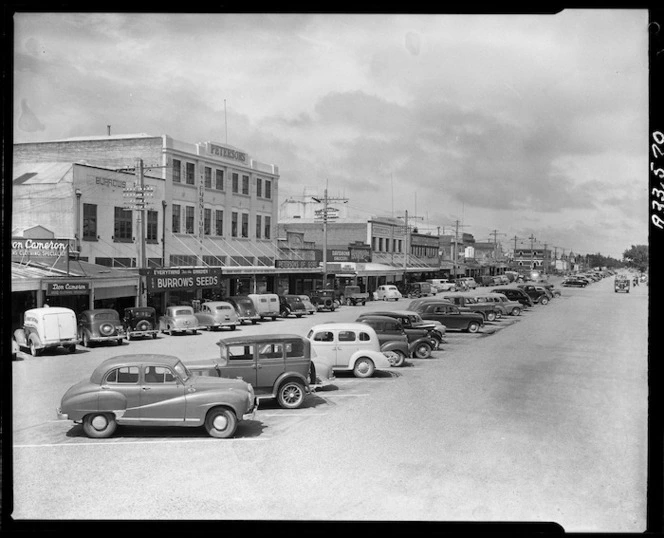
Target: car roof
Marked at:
396, 312
50, 309
217, 303
340, 325
378, 317
133, 359
252, 338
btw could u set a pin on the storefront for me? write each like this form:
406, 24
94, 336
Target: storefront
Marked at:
182, 286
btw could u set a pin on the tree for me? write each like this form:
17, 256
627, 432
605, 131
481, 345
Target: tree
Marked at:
637, 257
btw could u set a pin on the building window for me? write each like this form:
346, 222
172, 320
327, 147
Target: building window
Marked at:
207, 218
235, 182
259, 187
152, 227
90, 222
208, 177
214, 260
218, 222
123, 225
266, 227
245, 184
177, 171
175, 226
245, 224
234, 224
190, 174
189, 219
380, 244
259, 223
219, 180
268, 189
183, 259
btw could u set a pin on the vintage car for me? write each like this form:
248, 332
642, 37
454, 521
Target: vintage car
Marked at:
513, 308
179, 319
388, 292
515, 294
390, 329
291, 305
492, 299
15, 349
215, 315
350, 347
621, 284
352, 296
555, 292
574, 282
450, 315
140, 321
419, 289
47, 328
323, 299
100, 325
537, 293
155, 390
467, 302
414, 325
308, 305
465, 283
267, 305
441, 284
245, 308
277, 366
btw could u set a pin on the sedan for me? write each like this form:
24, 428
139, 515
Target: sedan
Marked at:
215, 315
179, 319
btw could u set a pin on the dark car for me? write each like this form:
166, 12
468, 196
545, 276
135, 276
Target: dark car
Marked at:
323, 300
535, 292
414, 325
245, 308
100, 325
574, 282
621, 285
140, 321
291, 305
388, 328
450, 316
155, 390
515, 294
277, 366
418, 289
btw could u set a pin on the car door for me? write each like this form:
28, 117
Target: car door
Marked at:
348, 342
125, 381
241, 363
270, 363
451, 315
161, 396
324, 342
204, 316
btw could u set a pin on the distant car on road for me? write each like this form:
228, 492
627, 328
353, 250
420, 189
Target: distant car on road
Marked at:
155, 390
291, 305
388, 292
245, 308
323, 299
216, 315
308, 305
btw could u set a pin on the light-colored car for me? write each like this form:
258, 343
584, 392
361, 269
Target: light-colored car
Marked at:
155, 390
308, 305
388, 292
442, 284
512, 308
267, 305
352, 347
47, 328
15, 349
215, 315
179, 319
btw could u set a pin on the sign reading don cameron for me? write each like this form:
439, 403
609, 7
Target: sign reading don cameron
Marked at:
179, 279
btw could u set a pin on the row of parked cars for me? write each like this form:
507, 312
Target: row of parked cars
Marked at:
217, 393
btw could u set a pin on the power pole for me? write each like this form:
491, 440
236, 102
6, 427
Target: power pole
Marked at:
407, 246
532, 254
456, 244
495, 234
325, 215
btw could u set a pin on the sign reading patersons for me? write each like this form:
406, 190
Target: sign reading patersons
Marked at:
180, 279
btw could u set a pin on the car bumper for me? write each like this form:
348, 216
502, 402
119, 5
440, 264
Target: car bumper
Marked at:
151, 332
111, 338
251, 413
60, 415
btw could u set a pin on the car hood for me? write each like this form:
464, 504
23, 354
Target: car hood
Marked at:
206, 382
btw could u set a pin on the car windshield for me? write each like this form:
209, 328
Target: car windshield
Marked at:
223, 307
106, 316
140, 313
182, 371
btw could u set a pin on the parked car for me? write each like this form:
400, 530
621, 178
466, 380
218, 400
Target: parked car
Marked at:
15, 349
574, 282
215, 315
323, 299
466, 283
450, 316
100, 325
179, 319
393, 344
47, 328
267, 305
414, 325
621, 284
352, 296
419, 289
388, 292
308, 305
513, 308
467, 302
415, 303
536, 293
350, 347
555, 292
245, 308
276, 366
155, 390
494, 300
515, 294
441, 284
140, 321
291, 305
419, 344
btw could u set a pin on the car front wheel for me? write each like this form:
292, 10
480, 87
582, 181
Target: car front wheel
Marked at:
291, 395
491, 316
221, 423
544, 300
423, 350
99, 425
397, 356
473, 327
364, 367
516, 311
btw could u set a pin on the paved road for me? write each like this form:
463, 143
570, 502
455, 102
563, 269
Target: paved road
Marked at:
541, 418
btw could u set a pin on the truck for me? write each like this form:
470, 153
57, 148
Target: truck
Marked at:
47, 328
353, 296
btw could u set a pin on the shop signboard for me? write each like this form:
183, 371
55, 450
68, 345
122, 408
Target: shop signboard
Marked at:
34, 249
296, 264
159, 280
68, 287
360, 254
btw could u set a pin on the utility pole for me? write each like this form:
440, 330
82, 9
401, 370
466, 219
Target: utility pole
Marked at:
407, 244
495, 234
532, 254
456, 245
325, 215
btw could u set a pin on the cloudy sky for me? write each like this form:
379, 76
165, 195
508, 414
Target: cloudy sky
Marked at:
523, 124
